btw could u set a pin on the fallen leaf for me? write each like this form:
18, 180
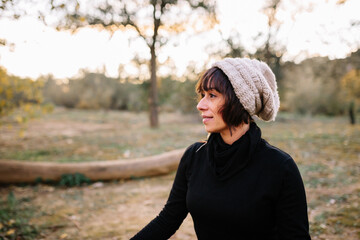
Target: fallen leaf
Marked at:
10, 232
63, 236
11, 222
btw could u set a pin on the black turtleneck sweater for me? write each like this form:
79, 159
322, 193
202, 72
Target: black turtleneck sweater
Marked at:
247, 190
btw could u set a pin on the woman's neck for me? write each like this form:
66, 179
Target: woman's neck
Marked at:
229, 137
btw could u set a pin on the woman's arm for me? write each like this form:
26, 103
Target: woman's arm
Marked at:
291, 212
174, 211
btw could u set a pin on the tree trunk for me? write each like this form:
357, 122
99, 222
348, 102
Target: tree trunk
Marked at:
12, 171
352, 113
153, 95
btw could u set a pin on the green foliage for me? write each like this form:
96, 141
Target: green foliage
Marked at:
350, 83
73, 180
15, 92
96, 91
14, 219
66, 180
315, 85
21, 99
312, 87
177, 96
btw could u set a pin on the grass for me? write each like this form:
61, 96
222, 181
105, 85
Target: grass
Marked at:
86, 135
343, 217
14, 219
326, 150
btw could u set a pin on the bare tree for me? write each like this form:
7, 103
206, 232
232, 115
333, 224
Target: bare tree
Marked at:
155, 21
272, 51
7, 6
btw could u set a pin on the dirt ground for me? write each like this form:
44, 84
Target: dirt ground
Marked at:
328, 157
82, 136
118, 210
99, 211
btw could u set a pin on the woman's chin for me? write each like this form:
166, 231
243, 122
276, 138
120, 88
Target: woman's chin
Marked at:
210, 130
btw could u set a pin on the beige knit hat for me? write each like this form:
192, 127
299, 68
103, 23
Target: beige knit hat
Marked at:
254, 84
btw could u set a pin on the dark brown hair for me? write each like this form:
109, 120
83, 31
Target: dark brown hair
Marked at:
233, 112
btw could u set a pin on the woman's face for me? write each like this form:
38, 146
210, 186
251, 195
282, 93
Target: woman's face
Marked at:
209, 106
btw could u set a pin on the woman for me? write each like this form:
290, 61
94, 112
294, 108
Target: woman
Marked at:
235, 185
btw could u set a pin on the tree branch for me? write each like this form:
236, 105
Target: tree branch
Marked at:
130, 22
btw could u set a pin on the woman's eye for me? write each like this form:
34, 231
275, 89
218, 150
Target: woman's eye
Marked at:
212, 95
202, 95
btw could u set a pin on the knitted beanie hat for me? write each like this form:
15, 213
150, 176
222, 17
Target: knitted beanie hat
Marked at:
254, 84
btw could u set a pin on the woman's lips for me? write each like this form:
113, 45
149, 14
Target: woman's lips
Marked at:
206, 118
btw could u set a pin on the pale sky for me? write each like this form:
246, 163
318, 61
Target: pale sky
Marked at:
40, 50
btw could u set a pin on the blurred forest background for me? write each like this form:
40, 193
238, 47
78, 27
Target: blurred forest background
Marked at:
151, 109
316, 85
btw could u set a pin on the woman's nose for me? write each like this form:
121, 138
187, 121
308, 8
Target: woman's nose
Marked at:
201, 104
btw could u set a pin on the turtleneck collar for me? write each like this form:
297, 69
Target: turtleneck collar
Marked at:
227, 160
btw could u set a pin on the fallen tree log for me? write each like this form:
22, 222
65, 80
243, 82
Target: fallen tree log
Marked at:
12, 171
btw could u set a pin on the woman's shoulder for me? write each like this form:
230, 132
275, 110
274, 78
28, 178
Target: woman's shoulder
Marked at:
194, 148
194, 151
276, 160
274, 154
186, 161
